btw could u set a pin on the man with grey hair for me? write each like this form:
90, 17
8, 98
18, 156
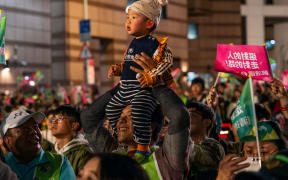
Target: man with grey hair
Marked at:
22, 137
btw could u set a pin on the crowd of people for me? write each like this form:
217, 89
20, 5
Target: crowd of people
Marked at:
185, 142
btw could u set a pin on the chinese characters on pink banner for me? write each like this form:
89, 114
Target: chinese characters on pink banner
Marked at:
243, 60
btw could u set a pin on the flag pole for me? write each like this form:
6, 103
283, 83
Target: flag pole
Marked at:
218, 76
255, 120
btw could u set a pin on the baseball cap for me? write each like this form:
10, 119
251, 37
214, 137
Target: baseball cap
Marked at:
17, 118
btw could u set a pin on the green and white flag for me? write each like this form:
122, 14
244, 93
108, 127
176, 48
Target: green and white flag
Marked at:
2, 38
243, 115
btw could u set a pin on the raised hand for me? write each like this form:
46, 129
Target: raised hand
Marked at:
278, 88
111, 71
212, 98
229, 165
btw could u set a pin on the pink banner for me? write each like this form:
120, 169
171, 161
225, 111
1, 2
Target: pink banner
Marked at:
243, 60
29, 100
285, 79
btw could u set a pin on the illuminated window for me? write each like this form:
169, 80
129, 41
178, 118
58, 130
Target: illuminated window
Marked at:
163, 12
269, 2
192, 31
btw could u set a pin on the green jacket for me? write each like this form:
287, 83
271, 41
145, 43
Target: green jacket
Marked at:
52, 169
204, 159
77, 152
78, 156
44, 166
150, 164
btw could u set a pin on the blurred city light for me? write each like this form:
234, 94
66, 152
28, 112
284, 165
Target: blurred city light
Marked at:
184, 66
191, 76
32, 83
7, 54
6, 75
270, 44
5, 72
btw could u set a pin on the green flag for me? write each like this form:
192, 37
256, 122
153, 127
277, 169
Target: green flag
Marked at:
243, 115
2, 39
243, 119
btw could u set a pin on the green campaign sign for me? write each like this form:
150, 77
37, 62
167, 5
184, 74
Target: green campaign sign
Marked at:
243, 115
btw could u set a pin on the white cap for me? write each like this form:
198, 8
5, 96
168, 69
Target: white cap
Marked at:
149, 8
17, 118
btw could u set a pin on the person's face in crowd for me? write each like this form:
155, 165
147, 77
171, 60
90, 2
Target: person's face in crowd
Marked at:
267, 149
62, 125
196, 89
136, 24
125, 127
198, 125
237, 94
24, 139
91, 170
49, 121
221, 89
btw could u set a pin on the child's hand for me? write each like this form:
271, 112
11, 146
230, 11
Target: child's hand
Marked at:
111, 71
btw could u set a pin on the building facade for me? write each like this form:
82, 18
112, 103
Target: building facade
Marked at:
213, 22
28, 40
109, 37
267, 20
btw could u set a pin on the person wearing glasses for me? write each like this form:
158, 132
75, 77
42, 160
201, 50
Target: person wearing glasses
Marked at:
65, 126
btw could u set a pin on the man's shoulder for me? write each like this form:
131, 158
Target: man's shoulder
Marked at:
101, 140
79, 150
47, 145
51, 156
213, 146
210, 141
